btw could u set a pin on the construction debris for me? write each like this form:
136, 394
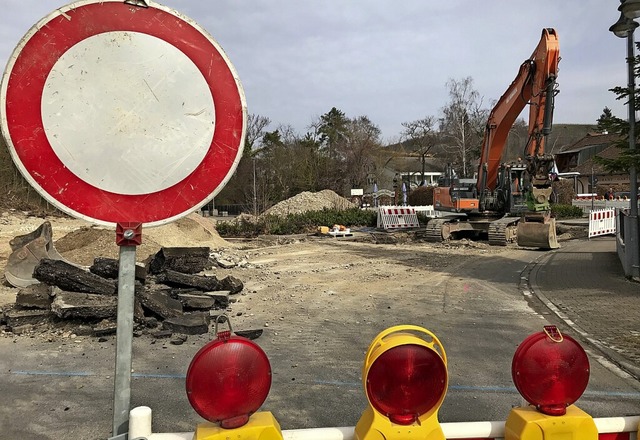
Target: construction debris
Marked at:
109, 267
175, 297
178, 279
36, 296
194, 324
159, 302
84, 305
189, 260
72, 278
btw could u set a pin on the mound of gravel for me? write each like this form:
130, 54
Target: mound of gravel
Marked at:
309, 201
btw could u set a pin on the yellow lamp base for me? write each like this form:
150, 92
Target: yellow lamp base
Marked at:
261, 426
373, 426
529, 424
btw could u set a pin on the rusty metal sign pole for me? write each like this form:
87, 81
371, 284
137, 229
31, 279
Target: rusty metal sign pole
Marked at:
128, 236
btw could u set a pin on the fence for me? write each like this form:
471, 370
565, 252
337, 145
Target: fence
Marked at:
602, 222
397, 217
586, 204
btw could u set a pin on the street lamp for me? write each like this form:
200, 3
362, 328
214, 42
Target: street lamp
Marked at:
630, 9
624, 28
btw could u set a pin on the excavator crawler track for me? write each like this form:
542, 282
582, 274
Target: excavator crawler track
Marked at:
503, 231
437, 230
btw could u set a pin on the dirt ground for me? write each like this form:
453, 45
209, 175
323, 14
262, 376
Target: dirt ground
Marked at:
275, 270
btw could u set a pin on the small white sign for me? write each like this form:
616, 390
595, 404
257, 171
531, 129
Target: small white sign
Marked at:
357, 192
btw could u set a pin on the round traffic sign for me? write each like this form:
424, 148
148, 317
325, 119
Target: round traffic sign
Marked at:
119, 113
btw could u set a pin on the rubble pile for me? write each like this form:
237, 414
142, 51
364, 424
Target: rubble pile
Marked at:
175, 292
309, 201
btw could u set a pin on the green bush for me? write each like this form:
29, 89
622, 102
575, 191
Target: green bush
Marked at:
561, 211
304, 223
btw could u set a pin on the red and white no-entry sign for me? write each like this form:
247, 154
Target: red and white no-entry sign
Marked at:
118, 113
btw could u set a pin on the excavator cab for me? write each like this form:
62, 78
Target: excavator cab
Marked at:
511, 189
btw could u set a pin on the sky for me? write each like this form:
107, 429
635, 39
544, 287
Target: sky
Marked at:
390, 60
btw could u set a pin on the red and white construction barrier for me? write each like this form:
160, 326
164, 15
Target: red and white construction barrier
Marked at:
602, 222
397, 217
609, 428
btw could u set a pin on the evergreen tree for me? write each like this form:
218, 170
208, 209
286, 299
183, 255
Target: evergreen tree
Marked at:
612, 124
605, 120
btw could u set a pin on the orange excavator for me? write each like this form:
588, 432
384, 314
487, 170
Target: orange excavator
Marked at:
509, 202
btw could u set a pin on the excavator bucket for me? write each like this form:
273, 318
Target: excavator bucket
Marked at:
28, 250
538, 234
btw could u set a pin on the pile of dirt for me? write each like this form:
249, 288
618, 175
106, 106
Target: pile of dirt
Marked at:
308, 201
84, 244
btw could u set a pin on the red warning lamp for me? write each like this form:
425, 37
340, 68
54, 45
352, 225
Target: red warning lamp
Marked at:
405, 379
227, 381
551, 371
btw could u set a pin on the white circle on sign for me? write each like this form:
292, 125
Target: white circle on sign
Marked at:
139, 117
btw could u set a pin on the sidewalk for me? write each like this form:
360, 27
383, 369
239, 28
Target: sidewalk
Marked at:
584, 284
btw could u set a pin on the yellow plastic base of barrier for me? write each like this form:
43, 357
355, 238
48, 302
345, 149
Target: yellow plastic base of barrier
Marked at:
261, 426
530, 424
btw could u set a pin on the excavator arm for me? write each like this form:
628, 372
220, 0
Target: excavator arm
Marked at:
534, 86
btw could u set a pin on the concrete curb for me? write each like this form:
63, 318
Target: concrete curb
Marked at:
610, 358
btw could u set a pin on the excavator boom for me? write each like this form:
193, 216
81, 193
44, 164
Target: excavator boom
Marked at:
533, 86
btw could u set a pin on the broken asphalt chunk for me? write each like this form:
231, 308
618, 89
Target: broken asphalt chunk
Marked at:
195, 324
72, 278
104, 328
173, 278
221, 297
159, 302
161, 334
187, 260
108, 268
17, 317
232, 284
36, 296
84, 305
194, 301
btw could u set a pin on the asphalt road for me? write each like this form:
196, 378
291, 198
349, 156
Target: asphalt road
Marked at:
54, 390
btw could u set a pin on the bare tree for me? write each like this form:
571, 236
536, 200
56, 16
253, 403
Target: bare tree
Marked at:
363, 139
463, 121
241, 188
256, 127
420, 136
